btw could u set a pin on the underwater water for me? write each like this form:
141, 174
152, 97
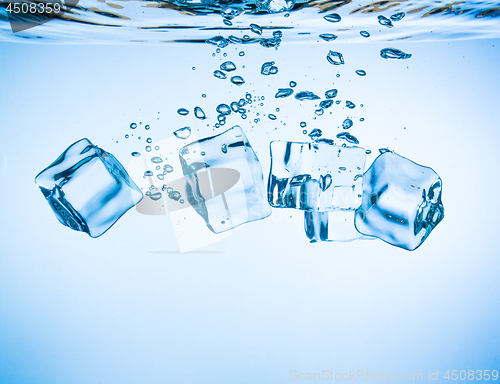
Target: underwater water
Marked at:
223, 282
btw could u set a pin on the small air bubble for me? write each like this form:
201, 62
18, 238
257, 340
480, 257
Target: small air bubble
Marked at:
133, 126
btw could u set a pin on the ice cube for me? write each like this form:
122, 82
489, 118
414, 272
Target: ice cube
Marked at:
224, 181
315, 176
401, 201
87, 188
331, 226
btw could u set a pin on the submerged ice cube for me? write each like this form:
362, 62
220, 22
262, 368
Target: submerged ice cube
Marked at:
331, 226
401, 201
224, 181
315, 176
87, 188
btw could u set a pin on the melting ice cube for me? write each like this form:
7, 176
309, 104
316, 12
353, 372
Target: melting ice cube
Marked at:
87, 188
401, 201
315, 176
224, 180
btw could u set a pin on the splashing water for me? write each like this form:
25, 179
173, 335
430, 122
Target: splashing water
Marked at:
304, 21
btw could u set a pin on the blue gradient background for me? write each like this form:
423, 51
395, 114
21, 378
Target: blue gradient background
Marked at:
128, 308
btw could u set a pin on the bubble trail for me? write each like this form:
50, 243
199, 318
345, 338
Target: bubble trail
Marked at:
335, 58
393, 53
237, 80
155, 196
156, 160
234, 39
198, 112
268, 68
256, 29
228, 66
331, 93
326, 104
385, 21
223, 109
398, 16
332, 18
283, 92
347, 123
218, 41
328, 36
348, 137
306, 95
183, 133
174, 195
271, 43
316, 133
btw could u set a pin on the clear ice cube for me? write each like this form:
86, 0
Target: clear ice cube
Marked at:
401, 201
331, 226
315, 176
87, 188
224, 180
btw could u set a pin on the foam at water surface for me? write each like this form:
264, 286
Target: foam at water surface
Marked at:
224, 178
401, 201
87, 188
315, 176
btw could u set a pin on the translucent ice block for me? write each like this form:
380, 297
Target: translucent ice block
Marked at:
401, 201
224, 180
315, 176
331, 226
87, 188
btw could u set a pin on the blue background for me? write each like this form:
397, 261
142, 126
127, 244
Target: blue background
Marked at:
129, 308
